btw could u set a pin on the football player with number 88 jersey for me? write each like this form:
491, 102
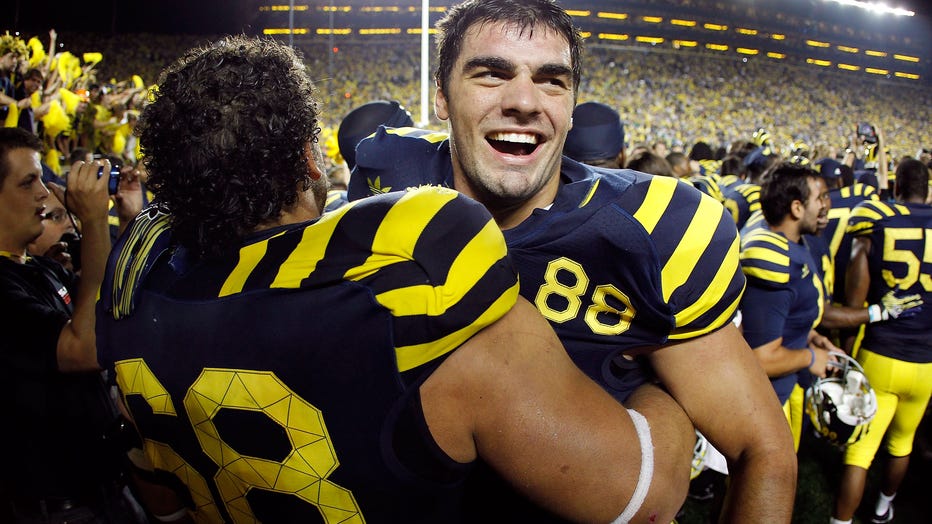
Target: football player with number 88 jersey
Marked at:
620, 262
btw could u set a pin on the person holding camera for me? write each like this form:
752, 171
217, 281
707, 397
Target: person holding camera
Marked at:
58, 407
870, 169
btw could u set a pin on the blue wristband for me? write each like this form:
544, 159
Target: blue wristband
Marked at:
811, 357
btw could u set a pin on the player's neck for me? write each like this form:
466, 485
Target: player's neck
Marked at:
509, 213
789, 228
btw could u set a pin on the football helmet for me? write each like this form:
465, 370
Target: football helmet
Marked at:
842, 405
700, 451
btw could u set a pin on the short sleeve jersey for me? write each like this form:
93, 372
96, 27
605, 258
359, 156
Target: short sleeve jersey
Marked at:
785, 294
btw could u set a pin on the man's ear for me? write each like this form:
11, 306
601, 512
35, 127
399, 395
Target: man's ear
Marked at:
312, 152
797, 208
440, 105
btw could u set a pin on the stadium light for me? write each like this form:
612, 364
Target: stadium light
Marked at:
876, 7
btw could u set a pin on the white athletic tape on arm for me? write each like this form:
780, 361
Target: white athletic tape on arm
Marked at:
647, 468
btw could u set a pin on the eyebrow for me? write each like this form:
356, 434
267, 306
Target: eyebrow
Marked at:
501, 64
489, 62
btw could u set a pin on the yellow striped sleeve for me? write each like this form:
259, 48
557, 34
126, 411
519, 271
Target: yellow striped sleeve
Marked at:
697, 237
469, 266
410, 357
131, 261
716, 289
661, 190
249, 257
400, 230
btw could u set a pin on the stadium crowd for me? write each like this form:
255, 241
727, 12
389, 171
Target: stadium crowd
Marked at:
675, 97
701, 117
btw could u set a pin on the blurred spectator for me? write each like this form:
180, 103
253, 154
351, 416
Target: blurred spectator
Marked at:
597, 137
648, 162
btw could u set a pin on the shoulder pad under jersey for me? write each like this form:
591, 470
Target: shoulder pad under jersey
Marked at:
399, 158
867, 213
143, 243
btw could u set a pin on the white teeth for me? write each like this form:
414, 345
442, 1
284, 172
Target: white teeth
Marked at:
521, 138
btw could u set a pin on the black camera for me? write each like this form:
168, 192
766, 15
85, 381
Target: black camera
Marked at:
867, 133
114, 183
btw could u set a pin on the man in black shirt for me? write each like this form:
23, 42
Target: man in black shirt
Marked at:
56, 469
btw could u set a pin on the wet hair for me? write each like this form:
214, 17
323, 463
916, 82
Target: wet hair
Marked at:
225, 139
526, 15
780, 186
15, 138
912, 180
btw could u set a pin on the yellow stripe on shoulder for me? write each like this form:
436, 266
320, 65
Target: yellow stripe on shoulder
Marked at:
656, 201
401, 228
765, 253
693, 243
714, 291
473, 262
779, 277
410, 357
872, 210
310, 250
249, 258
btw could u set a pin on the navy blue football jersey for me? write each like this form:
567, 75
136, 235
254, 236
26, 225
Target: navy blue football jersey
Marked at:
335, 200
822, 256
730, 181
785, 296
281, 384
746, 198
621, 260
900, 258
843, 201
740, 199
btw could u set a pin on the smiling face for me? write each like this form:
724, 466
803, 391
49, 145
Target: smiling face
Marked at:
509, 102
22, 200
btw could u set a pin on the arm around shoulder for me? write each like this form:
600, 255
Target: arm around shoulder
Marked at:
512, 395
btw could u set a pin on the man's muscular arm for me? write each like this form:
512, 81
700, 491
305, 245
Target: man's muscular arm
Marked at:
716, 378
512, 395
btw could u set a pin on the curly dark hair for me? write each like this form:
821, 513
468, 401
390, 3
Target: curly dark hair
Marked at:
225, 140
